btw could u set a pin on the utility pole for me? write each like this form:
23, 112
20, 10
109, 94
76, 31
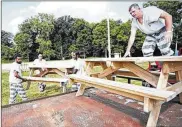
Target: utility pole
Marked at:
108, 35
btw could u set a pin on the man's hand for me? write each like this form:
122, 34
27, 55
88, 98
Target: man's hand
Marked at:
127, 53
168, 36
24, 80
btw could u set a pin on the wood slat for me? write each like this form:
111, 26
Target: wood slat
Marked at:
172, 66
177, 87
142, 73
138, 59
40, 79
132, 89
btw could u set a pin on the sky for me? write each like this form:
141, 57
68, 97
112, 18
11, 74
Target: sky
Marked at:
14, 13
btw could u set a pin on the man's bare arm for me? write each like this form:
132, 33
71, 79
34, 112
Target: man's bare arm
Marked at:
18, 76
168, 20
130, 42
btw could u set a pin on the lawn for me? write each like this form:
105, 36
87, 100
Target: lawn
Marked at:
51, 88
33, 92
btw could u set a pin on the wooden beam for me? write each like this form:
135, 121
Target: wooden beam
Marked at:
106, 72
121, 72
89, 67
177, 87
28, 82
104, 67
172, 66
40, 79
138, 59
179, 78
155, 109
81, 90
125, 73
153, 117
152, 93
42, 73
122, 93
162, 83
58, 72
142, 73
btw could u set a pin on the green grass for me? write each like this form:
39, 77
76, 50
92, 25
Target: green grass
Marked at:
33, 92
51, 88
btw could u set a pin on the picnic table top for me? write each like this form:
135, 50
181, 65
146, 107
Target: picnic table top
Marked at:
52, 66
137, 59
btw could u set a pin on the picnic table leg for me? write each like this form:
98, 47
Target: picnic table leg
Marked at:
63, 84
81, 90
104, 66
29, 82
155, 109
89, 68
179, 78
153, 117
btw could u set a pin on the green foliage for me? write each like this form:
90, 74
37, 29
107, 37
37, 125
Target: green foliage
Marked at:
57, 38
7, 45
34, 36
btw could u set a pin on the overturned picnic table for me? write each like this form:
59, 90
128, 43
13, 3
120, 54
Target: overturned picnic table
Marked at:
153, 98
49, 69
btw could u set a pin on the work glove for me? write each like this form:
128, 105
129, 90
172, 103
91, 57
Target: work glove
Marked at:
168, 36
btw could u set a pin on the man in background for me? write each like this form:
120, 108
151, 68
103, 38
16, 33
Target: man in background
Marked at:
79, 68
40, 62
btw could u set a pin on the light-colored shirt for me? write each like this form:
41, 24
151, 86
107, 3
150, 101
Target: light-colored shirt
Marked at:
39, 63
15, 67
80, 65
152, 22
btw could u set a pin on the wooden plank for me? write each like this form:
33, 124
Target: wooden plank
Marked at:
125, 94
142, 73
177, 87
162, 83
40, 79
153, 117
89, 67
148, 104
94, 74
60, 65
58, 72
107, 72
43, 73
122, 72
81, 90
132, 89
138, 59
172, 66
104, 67
155, 109
28, 82
179, 78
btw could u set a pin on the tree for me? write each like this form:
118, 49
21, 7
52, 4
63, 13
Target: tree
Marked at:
6, 38
7, 44
82, 32
62, 37
35, 35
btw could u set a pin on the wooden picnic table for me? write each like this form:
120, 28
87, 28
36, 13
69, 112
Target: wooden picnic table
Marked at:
49, 69
171, 64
